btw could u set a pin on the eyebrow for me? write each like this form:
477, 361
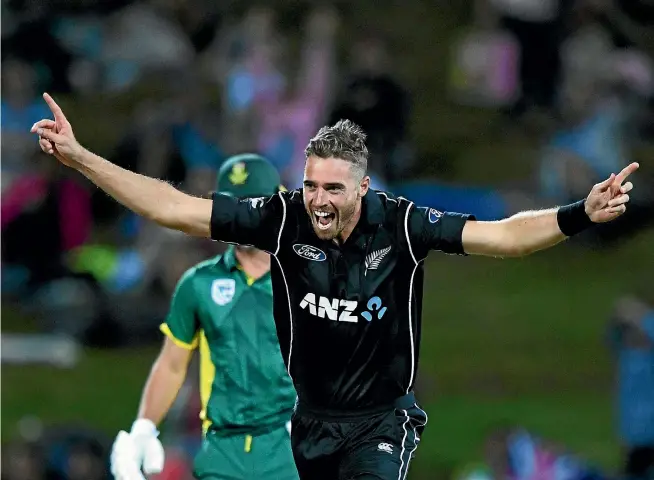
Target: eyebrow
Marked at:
310, 183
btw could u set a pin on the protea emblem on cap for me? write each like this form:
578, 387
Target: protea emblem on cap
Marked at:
239, 175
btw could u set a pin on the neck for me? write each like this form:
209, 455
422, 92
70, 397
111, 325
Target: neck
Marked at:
349, 228
255, 263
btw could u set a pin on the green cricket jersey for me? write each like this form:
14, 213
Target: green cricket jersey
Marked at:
244, 385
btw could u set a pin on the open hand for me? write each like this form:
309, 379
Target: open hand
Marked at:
56, 136
608, 200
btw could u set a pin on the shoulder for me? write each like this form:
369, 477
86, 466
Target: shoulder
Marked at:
292, 198
201, 269
293, 203
393, 205
388, 199
278, 202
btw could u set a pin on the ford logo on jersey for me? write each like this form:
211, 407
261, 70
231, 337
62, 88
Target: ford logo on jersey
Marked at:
309, 252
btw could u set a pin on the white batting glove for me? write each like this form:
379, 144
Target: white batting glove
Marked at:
137, 452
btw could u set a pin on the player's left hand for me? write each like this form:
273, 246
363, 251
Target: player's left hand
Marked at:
137, 451
608, 200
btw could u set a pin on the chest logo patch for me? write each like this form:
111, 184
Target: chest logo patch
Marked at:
374, 259
222, 290
309, 252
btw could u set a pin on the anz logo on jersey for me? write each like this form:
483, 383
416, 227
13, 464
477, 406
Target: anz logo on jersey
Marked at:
342, 310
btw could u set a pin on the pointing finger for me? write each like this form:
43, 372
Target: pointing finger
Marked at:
43, 124
626, 171
56, 110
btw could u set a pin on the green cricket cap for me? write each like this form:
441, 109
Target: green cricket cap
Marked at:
248, 175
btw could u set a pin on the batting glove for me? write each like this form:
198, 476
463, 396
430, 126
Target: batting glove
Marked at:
137, 452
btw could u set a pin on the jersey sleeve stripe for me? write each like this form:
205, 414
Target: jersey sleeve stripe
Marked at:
281, 269
187, 346
406, 232
281, 227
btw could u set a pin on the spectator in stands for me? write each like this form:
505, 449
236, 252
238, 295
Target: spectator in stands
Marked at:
538, 27
85, 461
515, 453
374, 99
244, 60
286, 121
632, 335
21, 107
606, 82
23, 461
45, 202
22, 22
142, 37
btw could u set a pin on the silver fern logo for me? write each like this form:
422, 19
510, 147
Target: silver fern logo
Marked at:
374, 259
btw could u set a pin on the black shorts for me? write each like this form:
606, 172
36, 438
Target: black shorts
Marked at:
375, 444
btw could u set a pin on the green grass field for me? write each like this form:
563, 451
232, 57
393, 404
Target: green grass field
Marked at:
503, 341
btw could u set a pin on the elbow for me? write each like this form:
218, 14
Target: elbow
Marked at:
165, 216
182, 213
161, 211
158, 216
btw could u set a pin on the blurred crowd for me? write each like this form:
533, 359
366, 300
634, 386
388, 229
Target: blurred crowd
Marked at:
204, 80
216, 83
577, 73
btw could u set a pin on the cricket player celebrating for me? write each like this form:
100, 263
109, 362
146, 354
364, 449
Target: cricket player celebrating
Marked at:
222, 306
347, 276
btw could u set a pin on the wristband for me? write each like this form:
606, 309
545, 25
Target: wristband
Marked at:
572, 219
143, 426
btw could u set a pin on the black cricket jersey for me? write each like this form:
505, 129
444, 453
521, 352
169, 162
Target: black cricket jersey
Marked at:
347, 317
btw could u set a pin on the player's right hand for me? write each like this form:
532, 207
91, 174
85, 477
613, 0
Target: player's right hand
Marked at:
137, 452
56, 136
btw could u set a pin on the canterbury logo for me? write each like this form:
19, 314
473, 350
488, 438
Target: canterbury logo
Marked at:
374, 259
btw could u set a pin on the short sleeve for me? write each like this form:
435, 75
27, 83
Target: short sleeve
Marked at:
430, 229
248, 221
181, 324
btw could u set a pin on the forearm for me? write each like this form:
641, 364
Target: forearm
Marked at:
531, 231
151, 198
160, 392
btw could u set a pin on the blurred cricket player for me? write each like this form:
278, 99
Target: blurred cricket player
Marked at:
223, 307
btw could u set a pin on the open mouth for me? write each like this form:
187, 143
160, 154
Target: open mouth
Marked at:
324, 219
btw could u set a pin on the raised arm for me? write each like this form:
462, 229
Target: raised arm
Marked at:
151, 198
528, 232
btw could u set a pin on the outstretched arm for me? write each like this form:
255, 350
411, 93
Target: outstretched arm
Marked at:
151, 198
524, 233
528, 232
